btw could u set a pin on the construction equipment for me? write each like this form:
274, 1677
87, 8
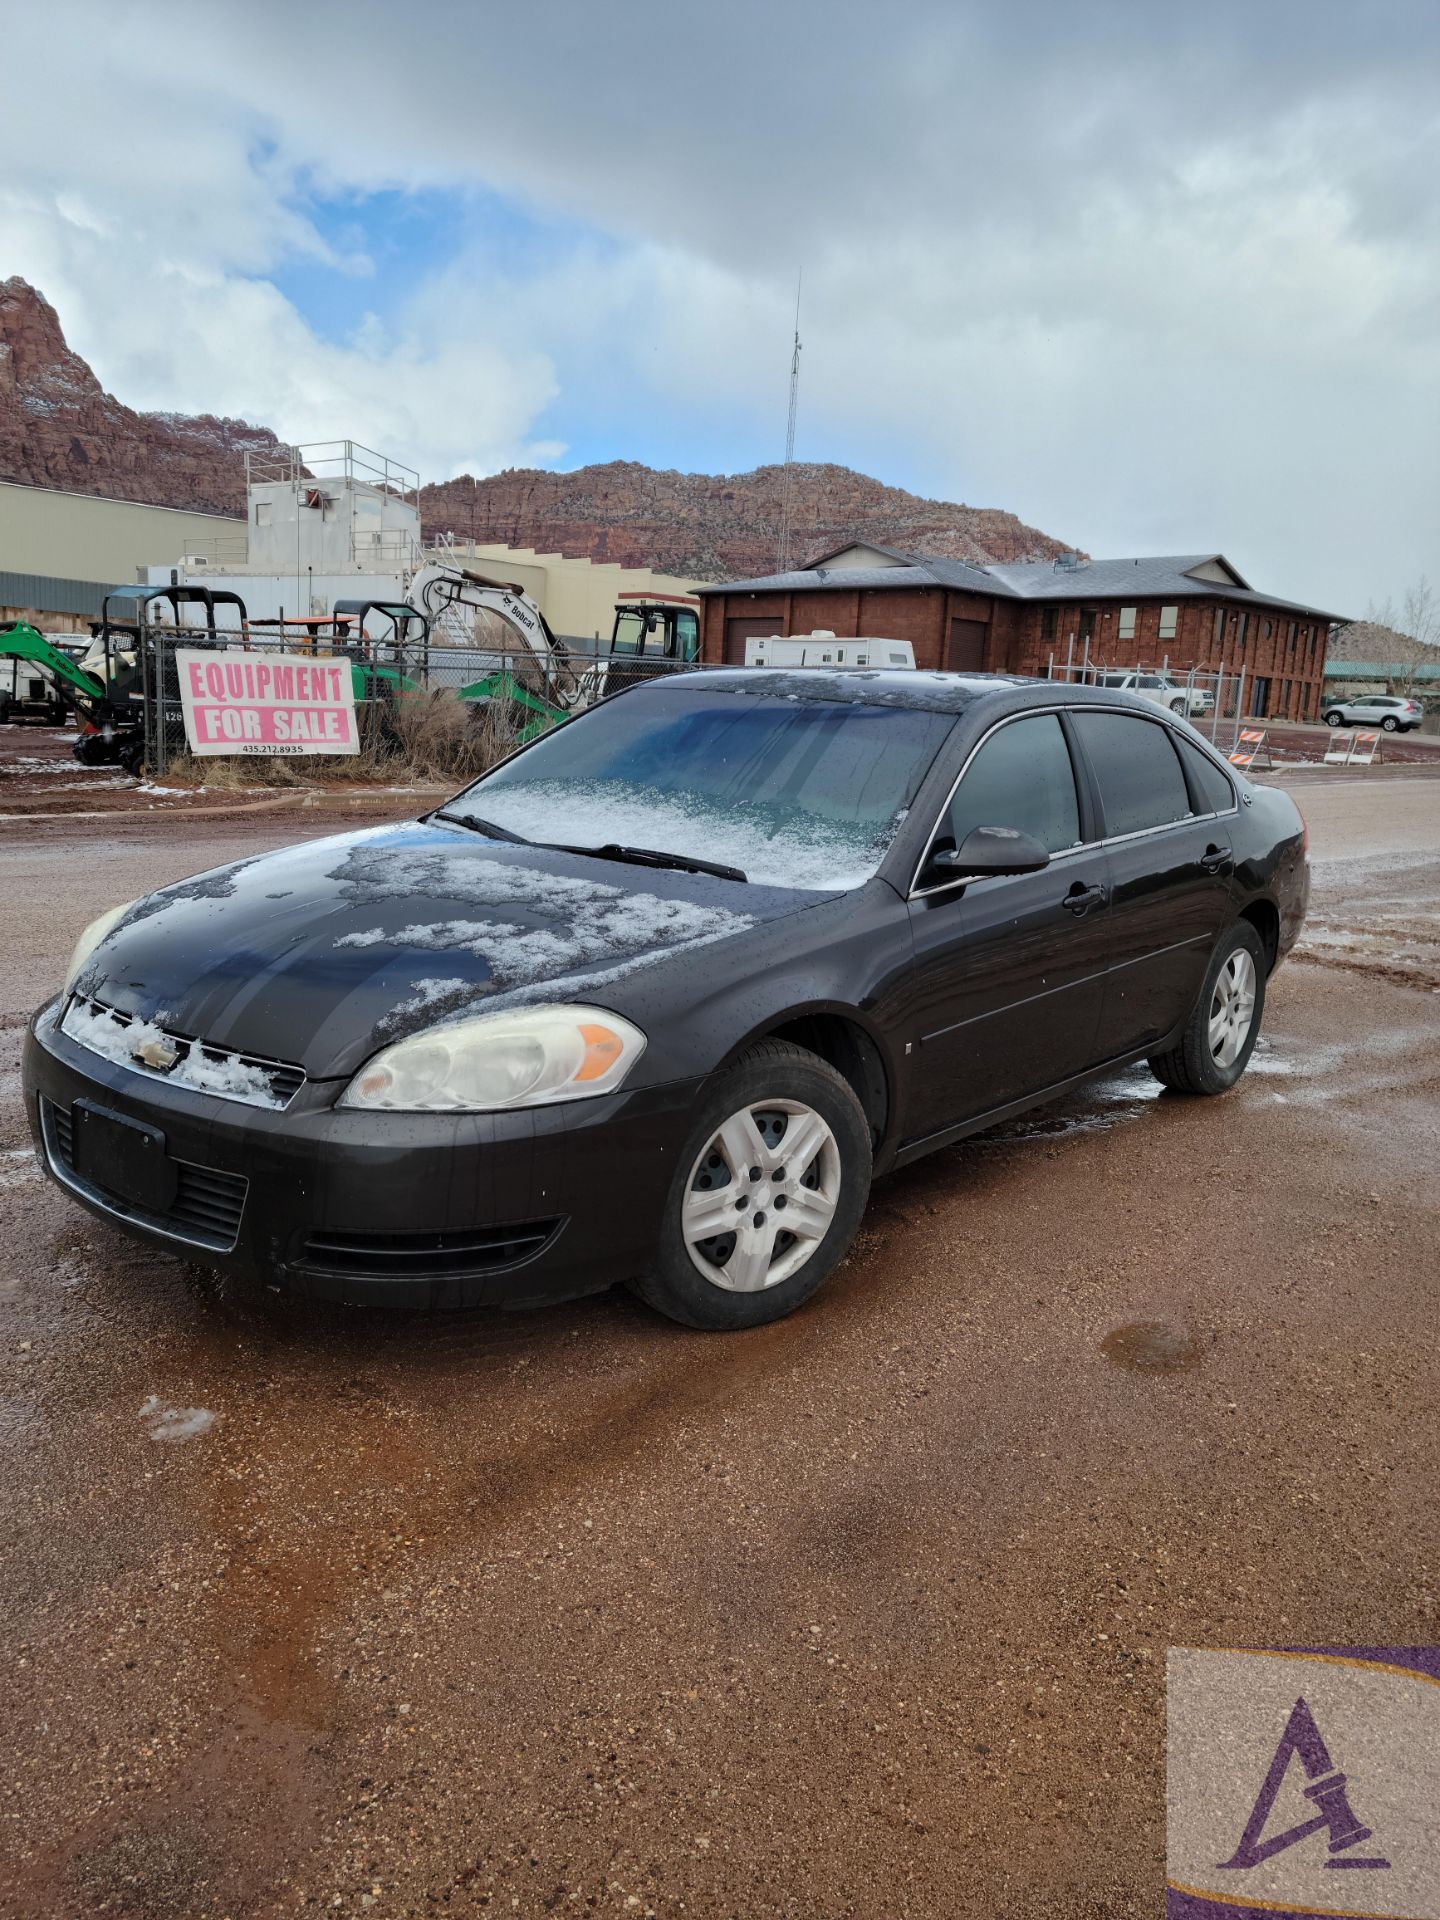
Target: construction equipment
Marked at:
34, 671
651, 633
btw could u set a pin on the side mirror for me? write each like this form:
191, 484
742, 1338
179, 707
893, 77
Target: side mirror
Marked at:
988, 851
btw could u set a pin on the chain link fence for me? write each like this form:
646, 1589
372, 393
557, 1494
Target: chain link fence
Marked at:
418, 704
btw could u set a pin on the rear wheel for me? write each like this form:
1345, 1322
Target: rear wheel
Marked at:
1390, 723
1334, 718
769, 1188
1220, 1035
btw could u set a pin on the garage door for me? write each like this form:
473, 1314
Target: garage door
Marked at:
966, 651
738, 631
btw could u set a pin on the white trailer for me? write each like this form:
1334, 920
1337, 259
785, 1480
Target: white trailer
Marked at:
823, 649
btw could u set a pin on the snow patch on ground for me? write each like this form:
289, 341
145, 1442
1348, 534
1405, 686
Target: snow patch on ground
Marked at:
18, 1166
175, 1423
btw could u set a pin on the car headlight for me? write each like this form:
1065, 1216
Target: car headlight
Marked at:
90, 940
529, 1058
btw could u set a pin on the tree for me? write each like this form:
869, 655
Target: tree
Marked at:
1405, 641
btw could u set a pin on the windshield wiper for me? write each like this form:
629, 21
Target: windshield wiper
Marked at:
477, 825
653, 857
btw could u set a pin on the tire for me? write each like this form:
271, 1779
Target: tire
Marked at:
1206, 1059
132, 758
5, 712
1390, 723
719, 1282
1178, 707
1334, 718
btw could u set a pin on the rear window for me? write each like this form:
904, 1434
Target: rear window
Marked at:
1212, 789
1138, 770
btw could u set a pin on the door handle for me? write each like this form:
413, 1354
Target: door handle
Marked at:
1216, 860
1081, 898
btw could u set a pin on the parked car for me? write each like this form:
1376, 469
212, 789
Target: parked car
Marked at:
1187, 700
656, 998
1387, 710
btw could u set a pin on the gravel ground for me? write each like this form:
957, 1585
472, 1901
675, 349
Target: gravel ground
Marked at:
864, 1613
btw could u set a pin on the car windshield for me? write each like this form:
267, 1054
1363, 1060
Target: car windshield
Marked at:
794, 792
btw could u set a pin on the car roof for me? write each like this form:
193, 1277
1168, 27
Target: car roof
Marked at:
856, 686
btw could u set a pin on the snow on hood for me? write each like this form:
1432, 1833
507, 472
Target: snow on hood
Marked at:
319, 952
582, 924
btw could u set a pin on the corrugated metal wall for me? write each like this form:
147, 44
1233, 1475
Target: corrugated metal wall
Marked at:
47, 595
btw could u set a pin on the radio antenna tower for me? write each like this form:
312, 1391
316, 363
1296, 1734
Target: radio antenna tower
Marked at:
787, 477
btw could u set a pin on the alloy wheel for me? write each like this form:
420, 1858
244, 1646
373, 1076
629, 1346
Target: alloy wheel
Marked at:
1232, 1011
761, 1196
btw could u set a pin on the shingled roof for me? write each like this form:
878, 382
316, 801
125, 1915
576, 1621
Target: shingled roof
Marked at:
1183, 576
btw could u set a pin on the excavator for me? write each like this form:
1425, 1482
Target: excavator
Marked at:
652, 633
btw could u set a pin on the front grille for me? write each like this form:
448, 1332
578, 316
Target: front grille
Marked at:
208, 1202
198, 1066
427, 1256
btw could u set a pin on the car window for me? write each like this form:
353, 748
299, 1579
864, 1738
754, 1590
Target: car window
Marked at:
1210, 785
1020, 778
1138, 771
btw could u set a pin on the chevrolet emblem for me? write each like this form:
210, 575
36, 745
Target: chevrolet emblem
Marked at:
158, 1054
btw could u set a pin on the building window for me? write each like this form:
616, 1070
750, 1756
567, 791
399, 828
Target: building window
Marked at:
262, 513
1127, 623
1047, 623
1168, 618
1267, 629
1242, 620
1219, 626
1292, 636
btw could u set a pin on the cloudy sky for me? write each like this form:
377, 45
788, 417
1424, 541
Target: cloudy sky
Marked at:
1158, 279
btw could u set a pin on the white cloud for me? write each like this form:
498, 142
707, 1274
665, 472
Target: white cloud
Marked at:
1151, 281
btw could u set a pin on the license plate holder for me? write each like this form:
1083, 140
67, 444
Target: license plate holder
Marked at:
124, 1157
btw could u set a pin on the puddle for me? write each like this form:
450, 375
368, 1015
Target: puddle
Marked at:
176, 1423
1150, 1346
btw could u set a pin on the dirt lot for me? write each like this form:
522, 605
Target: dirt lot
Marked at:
865, 1613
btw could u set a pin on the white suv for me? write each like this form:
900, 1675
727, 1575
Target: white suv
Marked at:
1385, 710
1165, 693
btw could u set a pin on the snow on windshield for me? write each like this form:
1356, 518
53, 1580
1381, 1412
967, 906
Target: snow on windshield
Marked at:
802, 851
796, 792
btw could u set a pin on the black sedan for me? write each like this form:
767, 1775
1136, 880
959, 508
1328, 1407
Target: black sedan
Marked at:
656, 998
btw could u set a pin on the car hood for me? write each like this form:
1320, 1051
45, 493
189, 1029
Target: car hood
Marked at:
320, 953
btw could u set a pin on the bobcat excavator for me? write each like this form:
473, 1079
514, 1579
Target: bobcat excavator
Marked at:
651, 633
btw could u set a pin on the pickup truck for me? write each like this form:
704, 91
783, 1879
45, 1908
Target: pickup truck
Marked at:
1188, 702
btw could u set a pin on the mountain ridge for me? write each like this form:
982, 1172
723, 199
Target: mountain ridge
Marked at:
59, 428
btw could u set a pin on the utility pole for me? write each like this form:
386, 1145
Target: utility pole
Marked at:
787, 477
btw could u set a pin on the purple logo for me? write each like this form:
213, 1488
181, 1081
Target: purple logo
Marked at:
1302, 1781
1328, 1790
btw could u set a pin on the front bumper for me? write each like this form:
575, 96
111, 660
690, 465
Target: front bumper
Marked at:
411, 1210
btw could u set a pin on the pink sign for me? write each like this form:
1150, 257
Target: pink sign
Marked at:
236, 701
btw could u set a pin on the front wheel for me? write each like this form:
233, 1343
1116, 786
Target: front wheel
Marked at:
1220, 1035
770, 1184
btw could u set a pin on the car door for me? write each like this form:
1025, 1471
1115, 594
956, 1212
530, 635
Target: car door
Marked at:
1167, 814
1008, 970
